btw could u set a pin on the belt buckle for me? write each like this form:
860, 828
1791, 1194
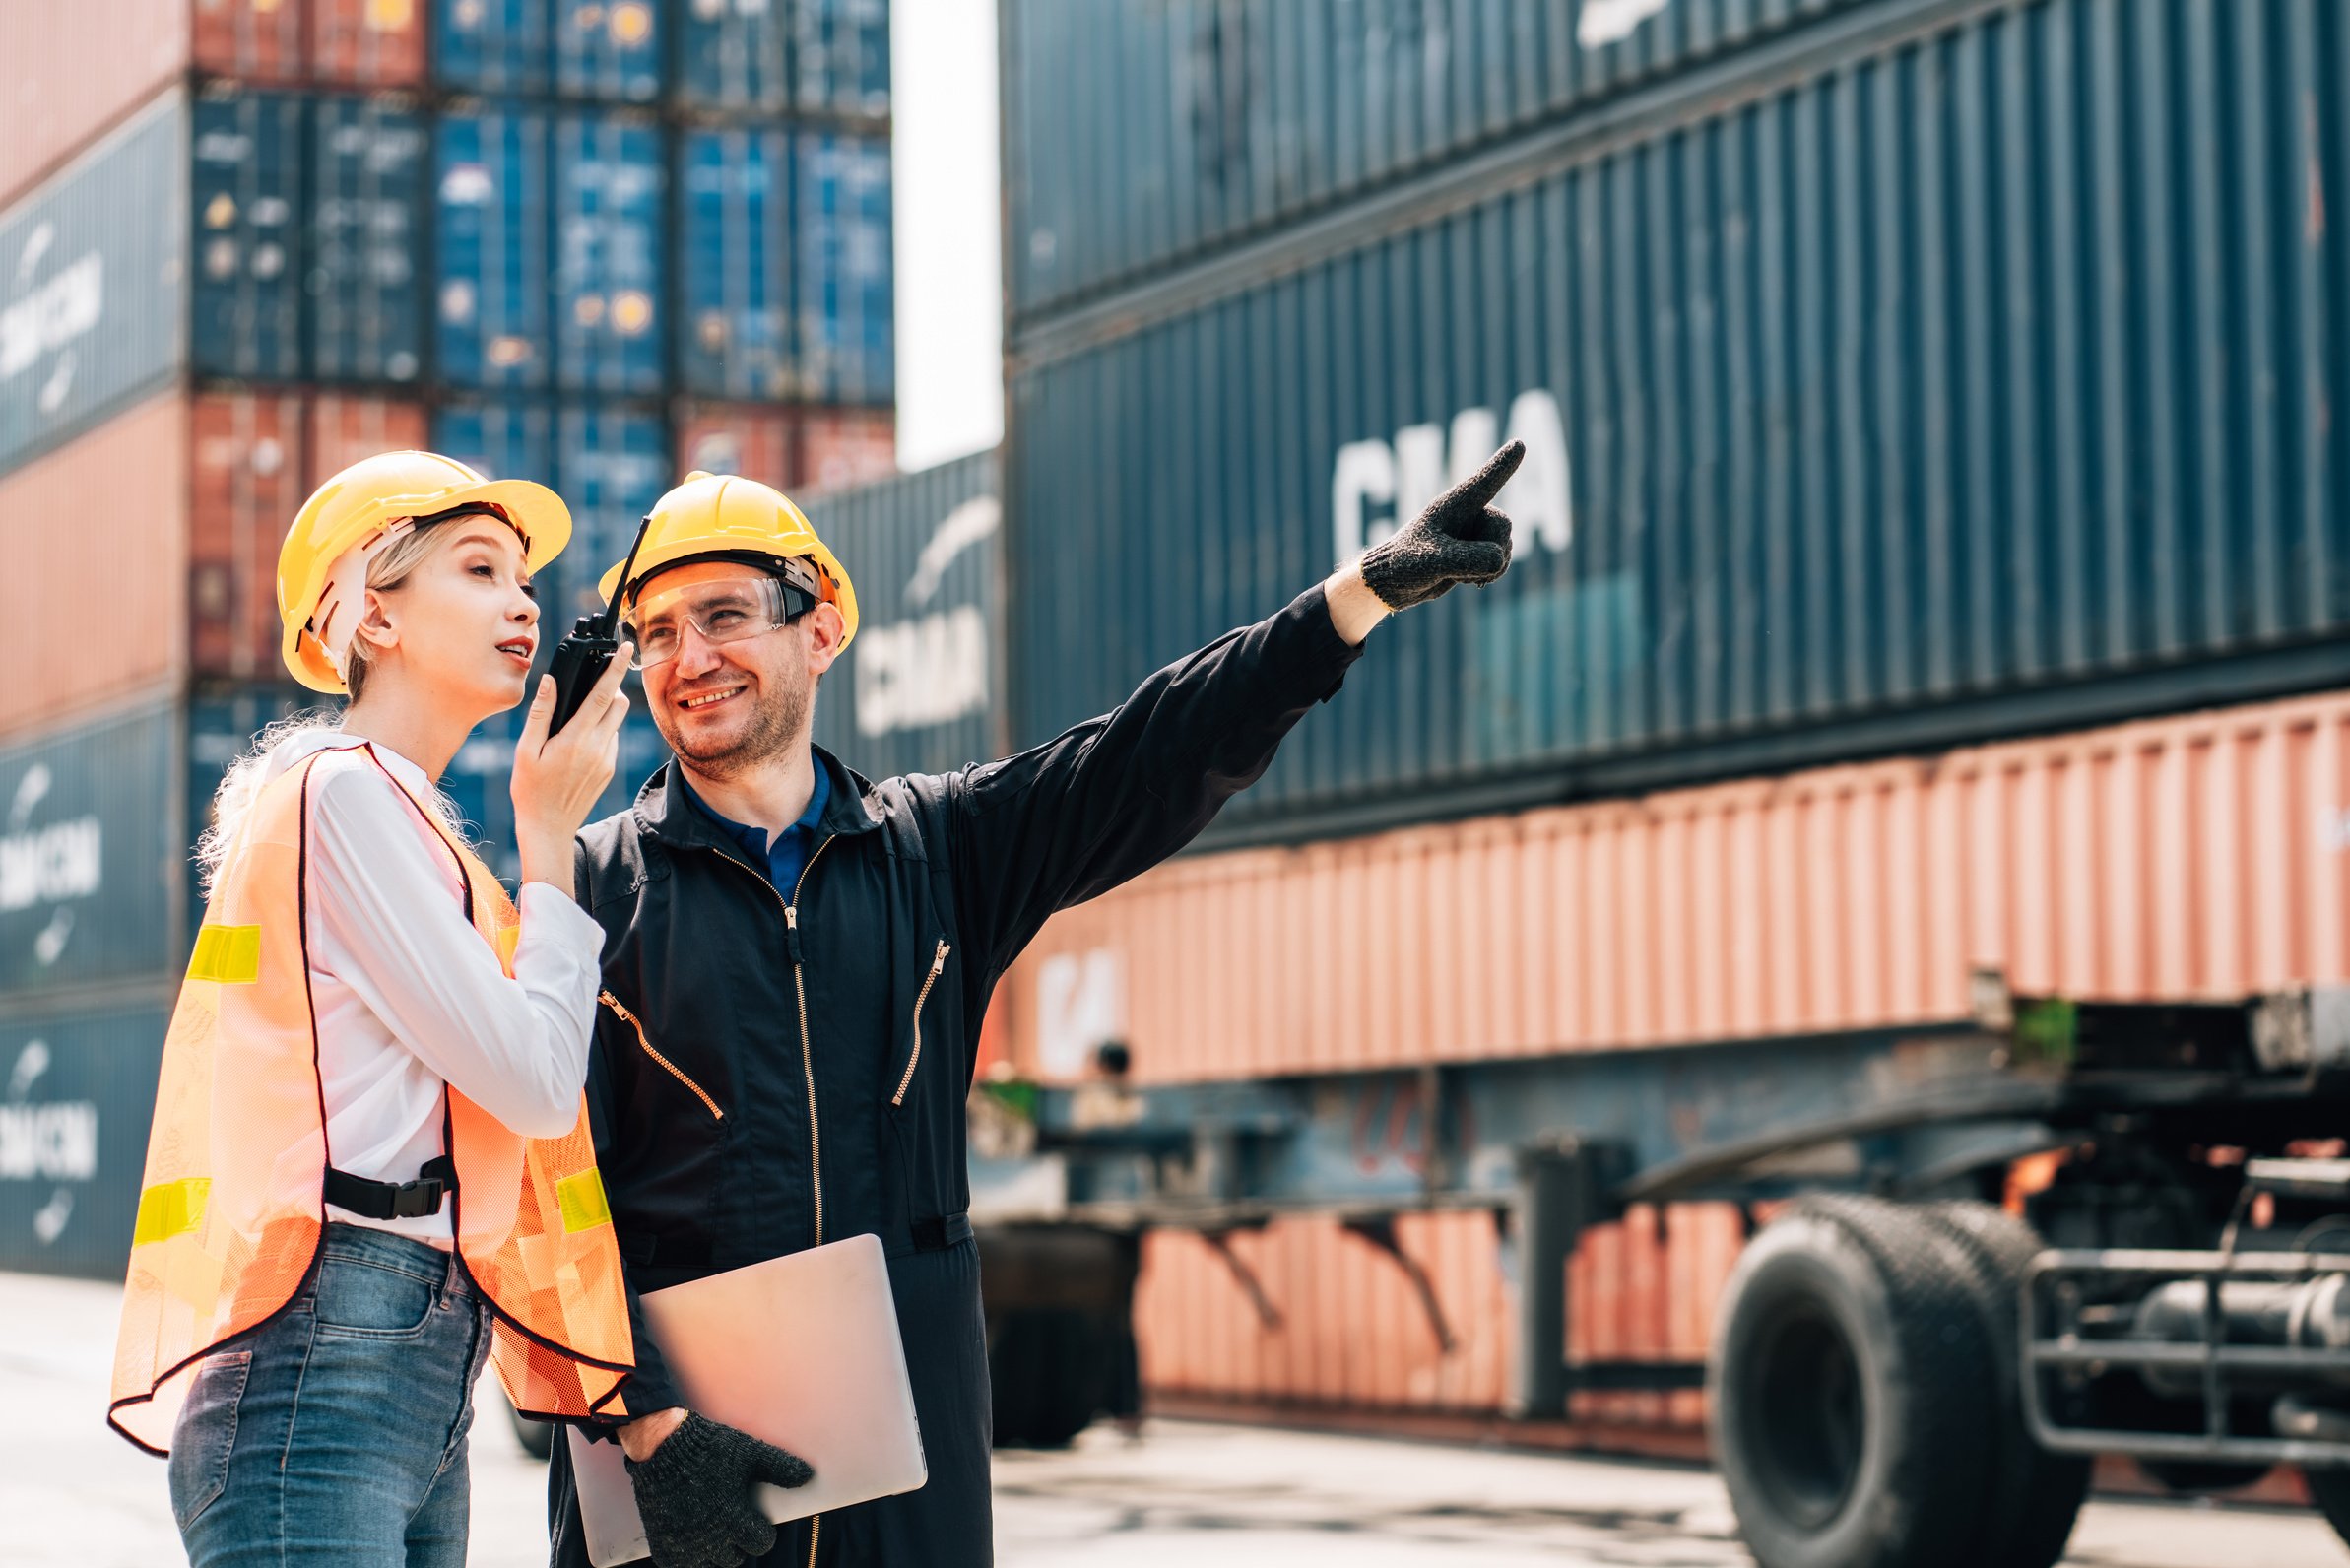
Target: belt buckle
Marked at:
418, 1199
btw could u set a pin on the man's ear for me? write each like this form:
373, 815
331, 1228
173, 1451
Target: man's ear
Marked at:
826, 631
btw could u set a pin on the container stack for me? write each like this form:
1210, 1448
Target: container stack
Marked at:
245, 243
1899, 380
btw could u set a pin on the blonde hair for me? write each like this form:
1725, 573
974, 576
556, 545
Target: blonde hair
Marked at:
243, 783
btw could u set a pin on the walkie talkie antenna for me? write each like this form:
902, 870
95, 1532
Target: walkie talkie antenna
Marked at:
581, 658
619, 588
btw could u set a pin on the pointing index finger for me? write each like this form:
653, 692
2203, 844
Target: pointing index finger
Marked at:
1487, 482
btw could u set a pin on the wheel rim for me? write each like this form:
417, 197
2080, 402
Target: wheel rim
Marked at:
1807, 1419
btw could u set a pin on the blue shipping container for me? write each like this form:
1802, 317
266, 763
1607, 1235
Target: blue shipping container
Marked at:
735, 214
245, 197
91, 857
845, 346
610, 230
502, 46
925, 549
493, 231
608, 49
365, 265
1906, 399
840, 51
1138, 136
613, 464
77, 1098
734, 54
93, 284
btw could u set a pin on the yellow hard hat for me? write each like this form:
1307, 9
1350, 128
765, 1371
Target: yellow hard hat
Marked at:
357, 505
726, 515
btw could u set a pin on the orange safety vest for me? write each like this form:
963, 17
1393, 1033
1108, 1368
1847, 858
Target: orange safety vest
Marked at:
231, 1208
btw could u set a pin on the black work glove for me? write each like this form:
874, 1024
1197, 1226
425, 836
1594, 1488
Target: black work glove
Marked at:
695, 1497
1457, 539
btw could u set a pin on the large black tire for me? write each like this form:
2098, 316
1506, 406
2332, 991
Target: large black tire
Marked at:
2034, 1496
1851, 1414
2330, 1489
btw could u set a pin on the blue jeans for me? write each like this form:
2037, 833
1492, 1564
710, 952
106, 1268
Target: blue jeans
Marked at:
337, 1435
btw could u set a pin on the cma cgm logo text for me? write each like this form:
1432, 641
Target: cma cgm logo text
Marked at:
44, 314
933, 667
47, 864
1377, 486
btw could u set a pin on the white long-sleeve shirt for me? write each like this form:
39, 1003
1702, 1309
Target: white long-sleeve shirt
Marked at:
407, 993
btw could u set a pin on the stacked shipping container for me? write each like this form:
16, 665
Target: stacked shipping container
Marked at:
244, 242
1898, 376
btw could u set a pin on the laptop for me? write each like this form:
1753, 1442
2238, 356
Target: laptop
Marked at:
803, 1351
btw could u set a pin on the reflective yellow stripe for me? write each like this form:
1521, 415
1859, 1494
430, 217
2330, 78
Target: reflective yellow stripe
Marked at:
582, 1198
228, 955
172, 1210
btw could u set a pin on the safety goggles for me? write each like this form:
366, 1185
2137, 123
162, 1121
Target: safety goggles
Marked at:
722, 610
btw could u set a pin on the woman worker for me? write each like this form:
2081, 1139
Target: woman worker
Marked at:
370, 1166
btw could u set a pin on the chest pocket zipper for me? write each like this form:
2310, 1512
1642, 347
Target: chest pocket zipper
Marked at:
673, 1070
938, 963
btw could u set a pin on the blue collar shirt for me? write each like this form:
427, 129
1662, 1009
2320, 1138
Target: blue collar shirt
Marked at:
785, 858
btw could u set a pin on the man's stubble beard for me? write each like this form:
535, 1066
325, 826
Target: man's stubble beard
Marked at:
778, 724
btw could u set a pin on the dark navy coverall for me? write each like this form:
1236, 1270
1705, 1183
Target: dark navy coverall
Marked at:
779, 1065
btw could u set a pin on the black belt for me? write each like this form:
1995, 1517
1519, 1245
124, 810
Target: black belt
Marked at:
435, 1179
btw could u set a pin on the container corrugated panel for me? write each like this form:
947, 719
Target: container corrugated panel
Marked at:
503, 438
257, 41
735, 211
501, 47
343, 428
129, 555
367, 42
840, 53
74, 1119
610, 234
90, 855
246, 483
1957, 388
841, 447
924, 552
493, 242
245, 198
1352, 1331
67, 72
2200, 856
1141, 136
761, 443
608, 49
734, 54
845, 346
94, 269
611, 463
366, 271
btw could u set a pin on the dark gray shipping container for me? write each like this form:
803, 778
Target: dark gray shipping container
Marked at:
1139, 135
93, 279
1981, 382
918, 692
77, 1097
366, 269
92, 860
245, 197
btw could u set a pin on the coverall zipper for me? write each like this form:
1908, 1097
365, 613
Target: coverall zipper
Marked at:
938, 963
816, 1141
675, 1071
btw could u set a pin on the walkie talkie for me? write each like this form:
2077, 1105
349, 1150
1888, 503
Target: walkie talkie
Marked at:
583, 656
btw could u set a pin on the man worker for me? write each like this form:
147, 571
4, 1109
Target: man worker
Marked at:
796, 961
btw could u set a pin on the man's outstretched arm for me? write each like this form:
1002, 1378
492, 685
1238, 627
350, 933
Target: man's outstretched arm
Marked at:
1111, 798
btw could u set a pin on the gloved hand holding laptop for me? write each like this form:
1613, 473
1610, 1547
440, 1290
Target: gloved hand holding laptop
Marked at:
695, 1493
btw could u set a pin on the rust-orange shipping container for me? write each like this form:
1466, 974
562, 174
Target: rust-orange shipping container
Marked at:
1343, 1325
846, 446
254, 457
256, 41
740, 438
2206, 854
367, 43
97, 533
71, 68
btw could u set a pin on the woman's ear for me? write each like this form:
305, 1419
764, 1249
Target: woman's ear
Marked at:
376, 628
